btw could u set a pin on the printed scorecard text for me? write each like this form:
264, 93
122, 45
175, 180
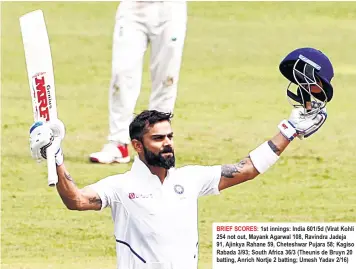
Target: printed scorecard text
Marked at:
284, 245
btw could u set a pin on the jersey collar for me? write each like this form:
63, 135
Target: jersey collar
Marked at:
140, 169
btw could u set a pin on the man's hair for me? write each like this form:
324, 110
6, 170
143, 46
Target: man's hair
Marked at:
146, 119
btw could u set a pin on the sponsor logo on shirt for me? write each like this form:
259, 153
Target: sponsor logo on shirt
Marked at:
133, 195
178, 189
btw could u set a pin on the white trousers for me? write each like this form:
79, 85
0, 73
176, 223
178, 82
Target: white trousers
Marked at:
163, 25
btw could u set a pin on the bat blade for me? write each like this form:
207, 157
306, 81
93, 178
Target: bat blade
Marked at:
39, 65
40, 76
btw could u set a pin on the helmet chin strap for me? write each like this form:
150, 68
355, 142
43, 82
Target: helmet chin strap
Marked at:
303, 98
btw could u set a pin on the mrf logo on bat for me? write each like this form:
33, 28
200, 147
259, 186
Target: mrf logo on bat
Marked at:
42, 95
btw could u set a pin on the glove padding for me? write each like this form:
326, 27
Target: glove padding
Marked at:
306, 125
44, 135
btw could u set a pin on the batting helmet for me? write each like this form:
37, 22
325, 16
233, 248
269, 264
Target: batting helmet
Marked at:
312, 71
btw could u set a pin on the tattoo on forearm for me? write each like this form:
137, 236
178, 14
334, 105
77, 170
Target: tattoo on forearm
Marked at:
229, 170
68, 177
95, 200
274, 147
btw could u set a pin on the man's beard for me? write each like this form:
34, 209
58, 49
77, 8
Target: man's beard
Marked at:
159, 160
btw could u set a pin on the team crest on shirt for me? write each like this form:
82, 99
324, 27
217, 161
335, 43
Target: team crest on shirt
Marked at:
178, 189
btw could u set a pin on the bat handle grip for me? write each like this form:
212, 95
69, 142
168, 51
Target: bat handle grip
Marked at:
51, 166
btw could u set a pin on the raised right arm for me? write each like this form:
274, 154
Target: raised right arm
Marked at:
50, 134
73, 197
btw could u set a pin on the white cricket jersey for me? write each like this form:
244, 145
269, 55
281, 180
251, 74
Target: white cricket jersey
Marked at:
156, 225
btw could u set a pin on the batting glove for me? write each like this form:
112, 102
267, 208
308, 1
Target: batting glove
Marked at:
44, 135
302, 125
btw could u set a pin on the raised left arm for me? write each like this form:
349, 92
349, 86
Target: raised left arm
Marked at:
233, 174
260, 159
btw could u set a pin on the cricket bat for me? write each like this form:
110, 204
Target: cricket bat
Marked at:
40, 76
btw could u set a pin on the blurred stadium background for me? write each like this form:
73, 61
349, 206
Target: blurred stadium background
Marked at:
231, 98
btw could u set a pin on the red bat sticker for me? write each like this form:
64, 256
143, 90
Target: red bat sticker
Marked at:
42, 96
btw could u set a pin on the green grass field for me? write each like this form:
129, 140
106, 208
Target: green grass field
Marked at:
231, 98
